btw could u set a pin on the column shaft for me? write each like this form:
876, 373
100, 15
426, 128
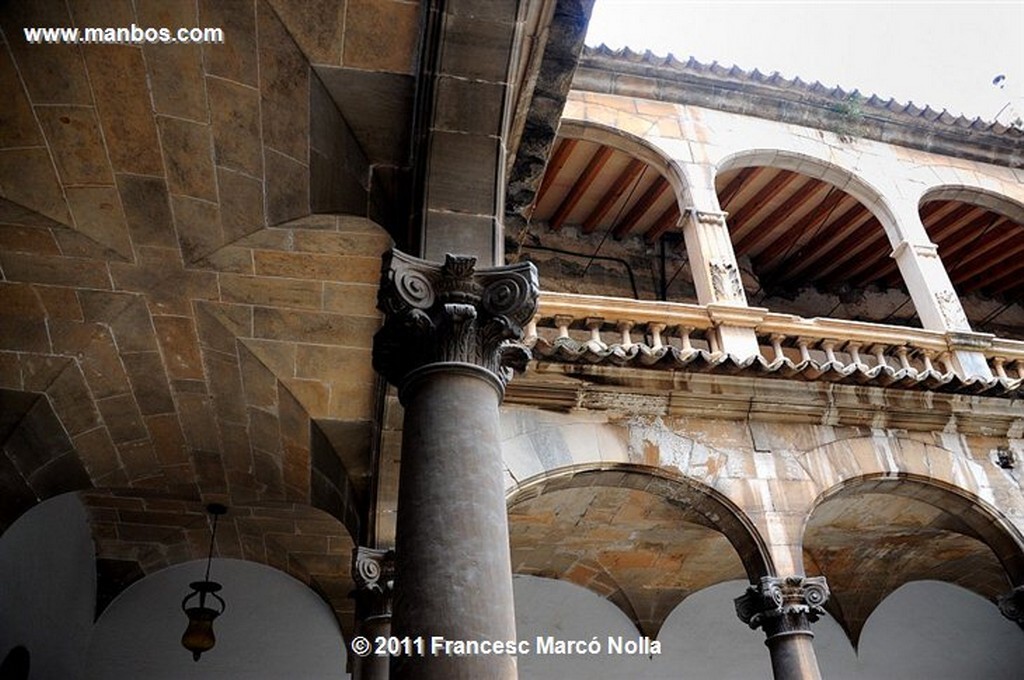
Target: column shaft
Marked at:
793, 656
453, 574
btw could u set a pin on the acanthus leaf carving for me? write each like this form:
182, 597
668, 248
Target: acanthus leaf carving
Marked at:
782, 605
452, 312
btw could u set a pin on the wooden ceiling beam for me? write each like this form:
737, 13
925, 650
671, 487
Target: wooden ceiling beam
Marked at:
590, 173
848, 264
1009, 279
640, 208
777, 217
996, 269
809, 223
977, 261
951, 222
841, 227
969, 233
964, 248
555, 165
611, 197
668, 219
741, 221
736, 184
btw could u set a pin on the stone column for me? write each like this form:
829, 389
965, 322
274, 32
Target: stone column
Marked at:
785, 608
939, 307
1012, 605
374, 573
449, 342
716, 277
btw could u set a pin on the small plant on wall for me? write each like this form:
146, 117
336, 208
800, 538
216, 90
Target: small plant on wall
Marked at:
849, 115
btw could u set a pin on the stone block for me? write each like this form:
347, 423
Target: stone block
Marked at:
98, 215
469, 106
121, 414
225, 382
168, 440
60, 303
220, 325
270, 292
241, 204
147, 210
188, 156
63, 474
258, 381
149, 382
316, 25
119, 83
197, 422
464, 170
461, 235
139, 460
17, 124
381, 36
97, 452
28, 240
235, 117
198, 226
318, 267
235, 58
352, 299
73, 135
27, 178
175, 71
312, 394
313, 327
284, 88
287, 187
477, 49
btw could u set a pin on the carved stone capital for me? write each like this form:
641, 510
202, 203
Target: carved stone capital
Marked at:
452, 312
373, 571
1011, 605
783, 605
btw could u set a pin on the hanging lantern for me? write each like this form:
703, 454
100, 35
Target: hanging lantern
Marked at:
203, 604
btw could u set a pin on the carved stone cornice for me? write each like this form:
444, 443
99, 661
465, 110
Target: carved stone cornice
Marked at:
1011, 605
452, 313
373, 571
783, 605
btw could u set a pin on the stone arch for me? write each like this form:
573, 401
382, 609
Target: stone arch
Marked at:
625, 530
136, 535
871, 533
633, 145
845, 179
267, 612
978, 195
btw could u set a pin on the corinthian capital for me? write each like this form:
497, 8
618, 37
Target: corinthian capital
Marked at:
783, 604
373, 571
452, 312
1012, 605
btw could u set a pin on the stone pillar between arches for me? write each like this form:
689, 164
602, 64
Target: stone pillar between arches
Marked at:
785, 608
939, 308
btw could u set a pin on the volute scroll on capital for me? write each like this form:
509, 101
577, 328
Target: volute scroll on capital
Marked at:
373, 571
453, 312
783, 604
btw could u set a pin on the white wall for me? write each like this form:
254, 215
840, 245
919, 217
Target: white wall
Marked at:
48, 587
701, 640
925, 630
274, 628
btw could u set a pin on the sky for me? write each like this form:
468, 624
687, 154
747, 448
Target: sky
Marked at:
942, 54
